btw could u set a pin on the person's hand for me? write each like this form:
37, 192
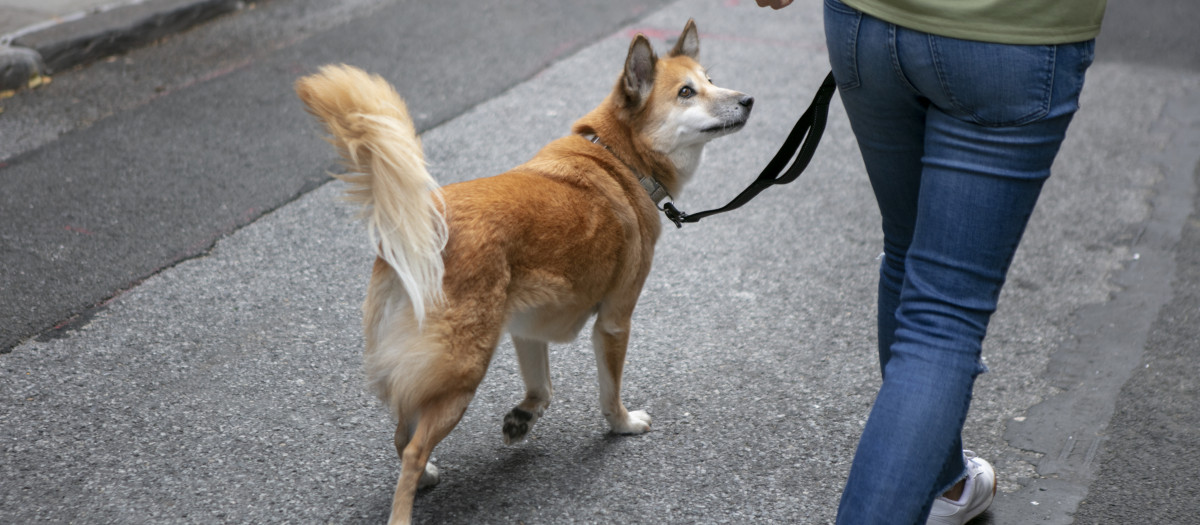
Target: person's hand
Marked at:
774, 4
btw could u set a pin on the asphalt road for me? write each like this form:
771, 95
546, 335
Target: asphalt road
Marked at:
181, 285
165, 169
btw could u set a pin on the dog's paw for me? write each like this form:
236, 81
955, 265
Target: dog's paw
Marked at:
430, 477
517, 424
636, 422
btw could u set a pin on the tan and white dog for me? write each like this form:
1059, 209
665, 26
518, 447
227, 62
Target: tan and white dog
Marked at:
536, 251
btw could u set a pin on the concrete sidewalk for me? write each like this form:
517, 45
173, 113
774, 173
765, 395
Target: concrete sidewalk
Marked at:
40, 37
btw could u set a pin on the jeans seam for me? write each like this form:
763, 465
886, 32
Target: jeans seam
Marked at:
853, 47
1053, 65
1054, 77
894, 50
936, 54
854, 81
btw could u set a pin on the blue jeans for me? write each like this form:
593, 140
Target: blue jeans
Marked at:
957, 137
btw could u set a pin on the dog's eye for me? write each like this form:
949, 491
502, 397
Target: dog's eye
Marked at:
686, 92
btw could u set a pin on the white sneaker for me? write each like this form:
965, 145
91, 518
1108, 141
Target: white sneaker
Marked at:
977, 495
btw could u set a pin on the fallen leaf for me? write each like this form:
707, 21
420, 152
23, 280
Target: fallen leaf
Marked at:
38, 80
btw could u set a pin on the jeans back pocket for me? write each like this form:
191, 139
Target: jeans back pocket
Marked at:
841, 37
994, 85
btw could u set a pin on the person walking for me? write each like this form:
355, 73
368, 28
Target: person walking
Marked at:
959, 108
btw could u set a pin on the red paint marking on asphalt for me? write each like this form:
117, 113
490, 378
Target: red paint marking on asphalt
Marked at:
563, 49
77, 229
652, 32
211, 75
246, 217
670, 35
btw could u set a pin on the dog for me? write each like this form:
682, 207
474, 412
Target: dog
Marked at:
535, 252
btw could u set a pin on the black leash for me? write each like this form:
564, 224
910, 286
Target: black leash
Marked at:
804, 138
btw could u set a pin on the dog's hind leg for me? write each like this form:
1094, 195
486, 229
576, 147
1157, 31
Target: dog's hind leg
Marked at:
610, 338
534, 359
403, 435
436, 420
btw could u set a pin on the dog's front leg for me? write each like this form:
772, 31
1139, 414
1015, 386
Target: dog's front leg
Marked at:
610, 337
534, 359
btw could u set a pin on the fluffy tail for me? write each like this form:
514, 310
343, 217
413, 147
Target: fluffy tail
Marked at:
372, 131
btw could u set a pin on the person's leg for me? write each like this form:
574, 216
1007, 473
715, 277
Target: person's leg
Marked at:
999, 115
888, 119
980, 178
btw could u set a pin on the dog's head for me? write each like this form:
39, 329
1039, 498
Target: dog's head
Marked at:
672, 102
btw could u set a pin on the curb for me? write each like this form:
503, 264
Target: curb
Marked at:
85, 37
17, 66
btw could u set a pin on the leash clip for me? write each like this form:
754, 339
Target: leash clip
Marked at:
673, 213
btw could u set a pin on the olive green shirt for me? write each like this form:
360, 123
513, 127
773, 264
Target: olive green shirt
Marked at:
999, 21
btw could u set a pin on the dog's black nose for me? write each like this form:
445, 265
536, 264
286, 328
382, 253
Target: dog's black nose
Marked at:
747, 101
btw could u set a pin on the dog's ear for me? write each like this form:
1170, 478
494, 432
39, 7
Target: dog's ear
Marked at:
638, 78
689, 42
